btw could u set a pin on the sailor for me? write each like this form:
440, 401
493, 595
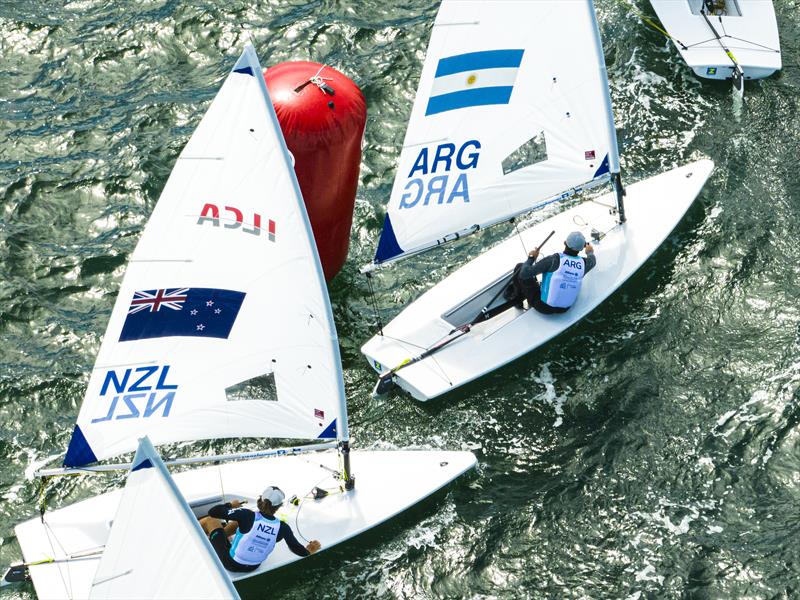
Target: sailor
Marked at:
562, 274
255, 533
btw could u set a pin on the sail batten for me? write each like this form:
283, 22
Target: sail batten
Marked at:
203, 311
514, 104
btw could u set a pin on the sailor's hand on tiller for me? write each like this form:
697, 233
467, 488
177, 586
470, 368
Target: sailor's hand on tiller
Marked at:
534, 253
313, 546
588, 248
236, 503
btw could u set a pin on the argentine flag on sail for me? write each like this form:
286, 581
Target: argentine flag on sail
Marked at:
474, 79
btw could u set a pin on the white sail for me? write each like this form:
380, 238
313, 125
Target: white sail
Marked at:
509, 115
222, 326
156, 548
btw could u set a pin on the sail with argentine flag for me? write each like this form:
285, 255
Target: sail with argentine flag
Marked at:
507, 118
474, 79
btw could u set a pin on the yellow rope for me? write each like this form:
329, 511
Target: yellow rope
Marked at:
650, 22
42, 497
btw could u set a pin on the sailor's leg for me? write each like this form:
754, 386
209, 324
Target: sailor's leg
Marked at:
513, 292
532, 290
533, 294
209, 524
230, 528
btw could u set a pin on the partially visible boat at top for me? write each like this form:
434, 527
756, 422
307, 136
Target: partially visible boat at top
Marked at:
222, 329
724, 39
512, 113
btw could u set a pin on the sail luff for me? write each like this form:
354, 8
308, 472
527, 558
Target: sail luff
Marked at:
342, 428
613, 147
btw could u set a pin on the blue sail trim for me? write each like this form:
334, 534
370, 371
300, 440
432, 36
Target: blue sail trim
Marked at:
146, 456
477, 61
245, 65
330, 431
486, 96
79, 452
145, 464
387, 246
602, 169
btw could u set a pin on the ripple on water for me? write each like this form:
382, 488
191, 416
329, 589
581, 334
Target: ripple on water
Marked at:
649, 452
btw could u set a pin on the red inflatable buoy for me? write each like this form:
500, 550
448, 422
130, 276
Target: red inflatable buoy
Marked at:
322, 114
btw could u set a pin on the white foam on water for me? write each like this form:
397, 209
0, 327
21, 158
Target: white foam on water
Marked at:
649, 574
724, 418
34, 465
550, 396
682, 527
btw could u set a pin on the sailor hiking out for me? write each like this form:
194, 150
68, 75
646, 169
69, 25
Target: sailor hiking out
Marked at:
562, 275
255, 533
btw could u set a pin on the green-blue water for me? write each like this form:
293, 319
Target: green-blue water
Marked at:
651, 452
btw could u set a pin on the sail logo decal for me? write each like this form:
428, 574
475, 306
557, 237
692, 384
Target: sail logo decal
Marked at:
264, 528
195, 312
156, 299
211, 214
138, 393
474, 79
443, 162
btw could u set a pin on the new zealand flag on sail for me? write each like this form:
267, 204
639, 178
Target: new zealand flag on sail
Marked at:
199, 312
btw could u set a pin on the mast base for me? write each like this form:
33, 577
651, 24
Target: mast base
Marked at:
348, 478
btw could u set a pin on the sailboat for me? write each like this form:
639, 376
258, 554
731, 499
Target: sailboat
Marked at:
724, 39
512, 114
223, 329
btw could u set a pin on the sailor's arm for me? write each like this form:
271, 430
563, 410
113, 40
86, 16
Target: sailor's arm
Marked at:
285, 533
531, 268
590, 259
230, 511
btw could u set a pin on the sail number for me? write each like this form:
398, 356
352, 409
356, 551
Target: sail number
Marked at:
137, 393
432, 179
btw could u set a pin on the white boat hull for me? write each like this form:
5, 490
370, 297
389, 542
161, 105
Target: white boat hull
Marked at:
653, 209
387, 483
750, 25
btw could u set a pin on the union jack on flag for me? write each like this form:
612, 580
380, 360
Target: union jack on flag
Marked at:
153, 300
192, 312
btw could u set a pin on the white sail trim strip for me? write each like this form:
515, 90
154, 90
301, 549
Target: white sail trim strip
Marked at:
480, 79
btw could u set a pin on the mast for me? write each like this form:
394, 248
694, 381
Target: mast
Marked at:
613, 149
342, 428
